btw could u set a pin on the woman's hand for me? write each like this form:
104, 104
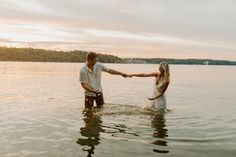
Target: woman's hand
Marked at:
151, 98
155, 97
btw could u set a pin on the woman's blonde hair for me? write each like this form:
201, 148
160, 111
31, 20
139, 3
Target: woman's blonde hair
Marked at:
166, 69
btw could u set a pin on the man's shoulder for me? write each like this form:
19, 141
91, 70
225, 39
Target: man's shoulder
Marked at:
83, 68
99, 63
101, 66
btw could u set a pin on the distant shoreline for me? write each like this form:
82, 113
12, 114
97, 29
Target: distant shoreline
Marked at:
78, 56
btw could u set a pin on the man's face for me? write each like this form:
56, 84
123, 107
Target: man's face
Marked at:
93, 61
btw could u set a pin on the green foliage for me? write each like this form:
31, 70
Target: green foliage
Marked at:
180, 61
42, 55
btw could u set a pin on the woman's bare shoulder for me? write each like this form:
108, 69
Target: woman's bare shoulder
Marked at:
157, 74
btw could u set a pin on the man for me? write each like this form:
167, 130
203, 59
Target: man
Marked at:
90, 79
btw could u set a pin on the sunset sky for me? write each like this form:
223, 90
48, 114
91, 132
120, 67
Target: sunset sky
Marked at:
125, 28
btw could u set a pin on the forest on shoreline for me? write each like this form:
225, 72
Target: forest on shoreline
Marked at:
42, 55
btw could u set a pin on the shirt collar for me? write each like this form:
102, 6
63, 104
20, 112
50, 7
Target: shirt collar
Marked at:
87, 68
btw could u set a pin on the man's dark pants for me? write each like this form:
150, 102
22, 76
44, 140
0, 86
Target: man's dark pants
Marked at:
89, 101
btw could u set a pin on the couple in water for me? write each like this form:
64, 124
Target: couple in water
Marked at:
90, 79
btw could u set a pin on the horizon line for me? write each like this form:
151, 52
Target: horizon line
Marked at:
114, 55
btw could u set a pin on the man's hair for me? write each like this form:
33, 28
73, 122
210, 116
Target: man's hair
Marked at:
91, 56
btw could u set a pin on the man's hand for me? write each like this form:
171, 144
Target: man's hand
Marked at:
98, 94
124, 75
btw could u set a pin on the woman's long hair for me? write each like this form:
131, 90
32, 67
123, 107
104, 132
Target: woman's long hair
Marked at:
165, 66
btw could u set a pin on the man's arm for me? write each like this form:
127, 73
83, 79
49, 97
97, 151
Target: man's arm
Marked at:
114, 72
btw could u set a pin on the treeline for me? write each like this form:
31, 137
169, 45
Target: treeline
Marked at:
42, 55
179, 61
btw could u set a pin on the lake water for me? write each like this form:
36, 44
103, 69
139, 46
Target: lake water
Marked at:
41, 113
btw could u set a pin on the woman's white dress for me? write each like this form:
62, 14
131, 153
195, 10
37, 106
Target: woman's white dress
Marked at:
159, 103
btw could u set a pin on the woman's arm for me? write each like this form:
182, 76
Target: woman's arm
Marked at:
145, 75
162, 91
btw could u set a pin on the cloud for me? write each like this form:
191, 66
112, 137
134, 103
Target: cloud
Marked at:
5, 40
125, 26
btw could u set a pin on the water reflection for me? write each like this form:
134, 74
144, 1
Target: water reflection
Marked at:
91, 131
160, 132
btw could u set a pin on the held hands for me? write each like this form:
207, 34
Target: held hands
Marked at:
126, 75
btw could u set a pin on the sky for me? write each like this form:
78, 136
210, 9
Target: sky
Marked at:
125, 28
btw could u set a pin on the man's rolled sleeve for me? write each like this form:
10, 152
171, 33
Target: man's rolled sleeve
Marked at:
104, 68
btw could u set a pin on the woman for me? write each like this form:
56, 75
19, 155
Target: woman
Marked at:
162, 80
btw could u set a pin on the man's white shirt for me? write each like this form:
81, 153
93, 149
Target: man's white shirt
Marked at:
92, 78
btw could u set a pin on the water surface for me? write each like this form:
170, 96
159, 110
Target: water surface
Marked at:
42, 113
